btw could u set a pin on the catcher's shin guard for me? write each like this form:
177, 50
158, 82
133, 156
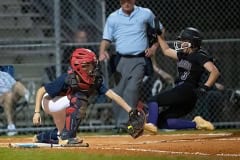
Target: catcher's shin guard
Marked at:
71, 124
74, 114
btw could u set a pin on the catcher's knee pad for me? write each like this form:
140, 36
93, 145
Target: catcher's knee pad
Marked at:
47, 137
74, 114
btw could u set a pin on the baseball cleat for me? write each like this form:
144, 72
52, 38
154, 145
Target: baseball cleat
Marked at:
203, 124
35, 139
150, 128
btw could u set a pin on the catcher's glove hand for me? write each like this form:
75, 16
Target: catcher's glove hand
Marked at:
136, 122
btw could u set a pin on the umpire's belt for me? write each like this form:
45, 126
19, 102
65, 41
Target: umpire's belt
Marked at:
148, 67
142, 54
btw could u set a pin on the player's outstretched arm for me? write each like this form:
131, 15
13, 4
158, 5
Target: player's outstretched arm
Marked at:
137, 117
119, 100
167, 51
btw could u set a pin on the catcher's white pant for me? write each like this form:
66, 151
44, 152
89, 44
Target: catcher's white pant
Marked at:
56, 104
56, 107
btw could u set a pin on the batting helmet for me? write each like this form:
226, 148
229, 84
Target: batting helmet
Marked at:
81, 60
191, 34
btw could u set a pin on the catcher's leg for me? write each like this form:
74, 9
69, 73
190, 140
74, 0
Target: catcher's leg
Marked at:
47, 137
56, 108
59, 119
74, 114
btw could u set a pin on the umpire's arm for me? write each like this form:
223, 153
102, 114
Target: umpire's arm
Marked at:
104, 45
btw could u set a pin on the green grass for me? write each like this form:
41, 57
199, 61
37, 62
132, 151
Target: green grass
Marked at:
60, 154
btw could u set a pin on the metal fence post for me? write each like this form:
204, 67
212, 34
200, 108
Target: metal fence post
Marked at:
57, 34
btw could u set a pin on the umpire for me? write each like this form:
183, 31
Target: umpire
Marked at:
127, 28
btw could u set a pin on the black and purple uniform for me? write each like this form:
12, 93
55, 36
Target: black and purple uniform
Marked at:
181, 99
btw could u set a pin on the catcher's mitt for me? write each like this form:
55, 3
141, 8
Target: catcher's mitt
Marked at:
137, 119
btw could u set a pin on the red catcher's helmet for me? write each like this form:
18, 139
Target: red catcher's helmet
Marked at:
79, 59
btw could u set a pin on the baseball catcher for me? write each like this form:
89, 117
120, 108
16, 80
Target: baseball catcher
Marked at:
66, 99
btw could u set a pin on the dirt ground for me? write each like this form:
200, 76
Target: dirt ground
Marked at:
222, 145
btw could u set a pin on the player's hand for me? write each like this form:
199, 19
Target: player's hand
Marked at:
103, 56
149, 52
37, 118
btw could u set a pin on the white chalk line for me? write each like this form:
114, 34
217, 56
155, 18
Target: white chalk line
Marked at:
169, 152
171, 141
167, 135
175, 141
199, 134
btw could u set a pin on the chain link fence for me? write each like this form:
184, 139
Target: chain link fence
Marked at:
37, 37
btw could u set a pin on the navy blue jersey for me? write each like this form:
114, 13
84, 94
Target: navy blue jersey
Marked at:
98, 86
190, 66
57, 87
102, 89
60, 87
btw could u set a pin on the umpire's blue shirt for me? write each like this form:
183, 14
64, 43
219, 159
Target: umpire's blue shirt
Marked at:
129, 31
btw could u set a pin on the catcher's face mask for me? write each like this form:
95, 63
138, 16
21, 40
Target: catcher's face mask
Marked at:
89, 71
90, 68
181, 45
